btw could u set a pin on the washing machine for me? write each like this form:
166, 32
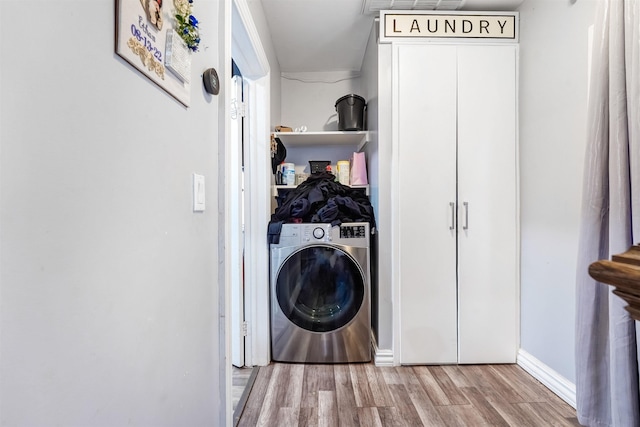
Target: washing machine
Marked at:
320, 294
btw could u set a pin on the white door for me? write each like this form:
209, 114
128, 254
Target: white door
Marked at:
456, 132
426, 125
236, 223
487, 251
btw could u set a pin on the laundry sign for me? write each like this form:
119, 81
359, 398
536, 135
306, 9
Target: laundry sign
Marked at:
487, 26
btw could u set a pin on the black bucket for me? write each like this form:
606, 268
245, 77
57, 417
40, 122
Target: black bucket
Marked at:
350, 110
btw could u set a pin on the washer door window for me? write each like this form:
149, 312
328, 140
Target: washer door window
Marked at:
320, 288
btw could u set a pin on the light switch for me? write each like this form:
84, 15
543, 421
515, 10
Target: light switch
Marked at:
198, 193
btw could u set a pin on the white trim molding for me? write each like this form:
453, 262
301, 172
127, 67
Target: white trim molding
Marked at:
381, 357
248, 52
555, 382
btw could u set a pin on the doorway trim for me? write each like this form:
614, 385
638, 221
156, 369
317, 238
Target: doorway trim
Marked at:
248, 53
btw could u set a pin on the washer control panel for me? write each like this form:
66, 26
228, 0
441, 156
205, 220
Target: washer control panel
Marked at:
353, 231
346, 233
316, 233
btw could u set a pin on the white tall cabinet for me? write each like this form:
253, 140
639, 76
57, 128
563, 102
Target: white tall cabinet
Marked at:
455, 136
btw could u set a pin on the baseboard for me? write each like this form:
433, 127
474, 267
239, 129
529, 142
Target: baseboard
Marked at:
555, 382
381, 357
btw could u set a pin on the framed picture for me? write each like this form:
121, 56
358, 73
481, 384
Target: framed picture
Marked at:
146, 39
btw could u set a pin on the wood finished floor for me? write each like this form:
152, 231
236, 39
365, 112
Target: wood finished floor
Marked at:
365, 395
240, 380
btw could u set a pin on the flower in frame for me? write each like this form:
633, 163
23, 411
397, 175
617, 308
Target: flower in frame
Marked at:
187, 24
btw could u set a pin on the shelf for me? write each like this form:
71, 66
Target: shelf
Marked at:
301, 139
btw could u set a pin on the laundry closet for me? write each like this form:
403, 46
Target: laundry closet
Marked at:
441, 151
322, 224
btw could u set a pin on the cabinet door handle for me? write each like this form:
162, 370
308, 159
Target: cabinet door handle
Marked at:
466, 216
452, 226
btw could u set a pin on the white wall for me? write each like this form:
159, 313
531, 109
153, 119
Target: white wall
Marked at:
108, 280
376, 83
553, 105
369, 90
308, 99
384, 184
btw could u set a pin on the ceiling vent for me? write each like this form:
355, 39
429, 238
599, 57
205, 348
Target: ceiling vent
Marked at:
372, 7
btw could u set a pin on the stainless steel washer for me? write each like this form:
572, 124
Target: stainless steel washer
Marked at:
320, 286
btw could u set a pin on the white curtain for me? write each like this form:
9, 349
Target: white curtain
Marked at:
606, 341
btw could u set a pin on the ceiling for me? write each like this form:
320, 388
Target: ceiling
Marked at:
331, 35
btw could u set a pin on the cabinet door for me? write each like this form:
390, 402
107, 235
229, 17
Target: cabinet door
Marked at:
487, 252
426, 134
